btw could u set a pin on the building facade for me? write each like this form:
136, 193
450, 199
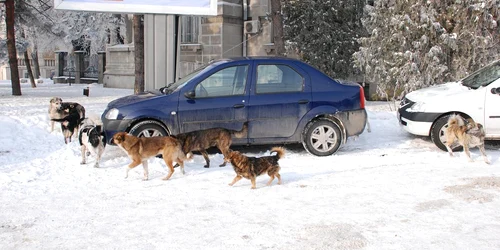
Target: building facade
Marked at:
175, 46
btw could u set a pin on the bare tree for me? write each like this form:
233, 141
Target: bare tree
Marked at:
28, 64
139, 53
36, 64
277, 22
11, 47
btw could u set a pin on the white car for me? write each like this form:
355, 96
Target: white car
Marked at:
425, 111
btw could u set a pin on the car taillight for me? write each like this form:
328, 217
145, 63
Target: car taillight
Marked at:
361, 97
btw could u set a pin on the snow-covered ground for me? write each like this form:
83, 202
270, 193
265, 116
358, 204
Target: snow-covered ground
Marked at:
384, 190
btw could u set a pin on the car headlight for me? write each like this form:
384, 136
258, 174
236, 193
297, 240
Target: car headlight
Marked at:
417, 107
112, 114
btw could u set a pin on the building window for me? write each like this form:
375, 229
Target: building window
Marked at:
190, 28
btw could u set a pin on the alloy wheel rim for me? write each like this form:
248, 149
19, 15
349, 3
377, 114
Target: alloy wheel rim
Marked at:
323, 138
150, 133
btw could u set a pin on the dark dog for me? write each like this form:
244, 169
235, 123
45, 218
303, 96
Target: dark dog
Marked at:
251, 167
201, 140
70, 123
59, 109
92, 140
468, 133
140, 149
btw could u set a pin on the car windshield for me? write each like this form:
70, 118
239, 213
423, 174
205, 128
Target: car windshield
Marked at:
181, 82
483, 77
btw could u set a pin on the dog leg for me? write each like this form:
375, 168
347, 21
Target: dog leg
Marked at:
133, 164
205, 155
252, 179
52, 126
83, 149
237, 178
483, 152
170, 165
146, 170
466, 150
450, 151
270, 180
224, 150
181, 163
100, 150
279, 178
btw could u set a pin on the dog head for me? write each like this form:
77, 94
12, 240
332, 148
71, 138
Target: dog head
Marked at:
56, 102
87, 122
119, 138
231, 155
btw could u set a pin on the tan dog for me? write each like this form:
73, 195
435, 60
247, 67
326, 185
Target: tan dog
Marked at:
140, 149
251, 167
468, 135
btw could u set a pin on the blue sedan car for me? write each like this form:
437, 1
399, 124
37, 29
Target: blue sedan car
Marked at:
284, 101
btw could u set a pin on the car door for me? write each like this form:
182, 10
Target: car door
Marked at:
279, 99
492, 110
218, 100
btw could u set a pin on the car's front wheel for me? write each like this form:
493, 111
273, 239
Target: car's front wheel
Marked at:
148, 128
438, 133
322, 137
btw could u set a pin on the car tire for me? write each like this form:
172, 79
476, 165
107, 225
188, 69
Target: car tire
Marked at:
148, 128
322, 137
437, 133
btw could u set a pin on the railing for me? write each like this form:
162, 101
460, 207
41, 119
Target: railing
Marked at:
91, 72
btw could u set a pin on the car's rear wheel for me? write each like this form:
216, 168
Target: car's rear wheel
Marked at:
322, 137
438, 133
148, 128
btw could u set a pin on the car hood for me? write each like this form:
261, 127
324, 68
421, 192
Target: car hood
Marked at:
437, 91
126, 100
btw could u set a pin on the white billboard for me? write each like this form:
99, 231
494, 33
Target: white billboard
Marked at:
180, 7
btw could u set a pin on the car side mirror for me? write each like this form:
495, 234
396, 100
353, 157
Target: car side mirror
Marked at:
190, 94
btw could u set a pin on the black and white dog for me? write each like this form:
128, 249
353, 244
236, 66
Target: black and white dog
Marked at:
92, 140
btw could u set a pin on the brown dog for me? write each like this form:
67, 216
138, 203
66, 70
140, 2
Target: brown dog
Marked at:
468, 135
251, 167
140, 149
201, 140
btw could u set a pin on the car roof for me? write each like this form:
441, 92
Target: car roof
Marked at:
252, 58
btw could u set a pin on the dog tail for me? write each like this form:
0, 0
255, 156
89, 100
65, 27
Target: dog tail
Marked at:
280, 152
242, 133
455, 120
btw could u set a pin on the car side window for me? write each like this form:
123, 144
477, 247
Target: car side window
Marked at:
277, 79
230, 81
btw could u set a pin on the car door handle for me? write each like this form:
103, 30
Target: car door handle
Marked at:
237, 106
303, 101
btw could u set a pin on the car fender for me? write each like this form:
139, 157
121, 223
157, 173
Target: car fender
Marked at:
321, 111
152, 114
